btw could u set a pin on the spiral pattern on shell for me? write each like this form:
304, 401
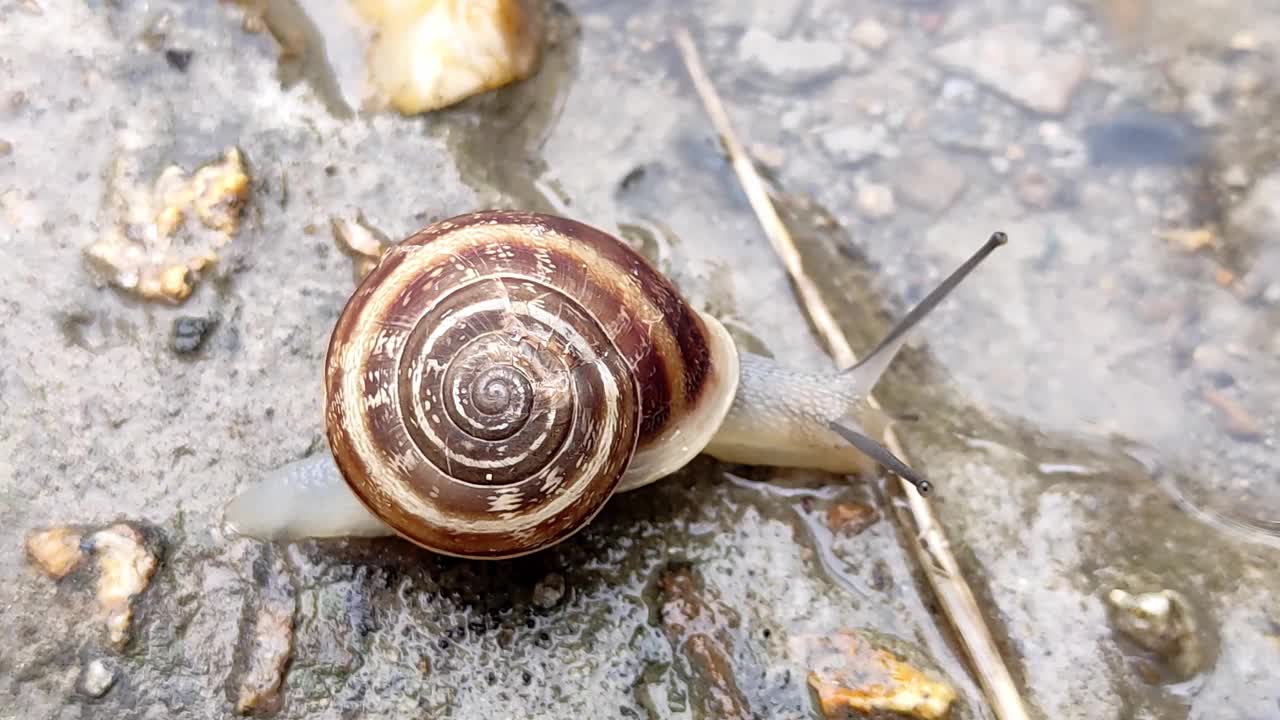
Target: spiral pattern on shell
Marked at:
488, 382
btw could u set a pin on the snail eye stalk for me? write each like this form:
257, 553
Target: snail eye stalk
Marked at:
881, 454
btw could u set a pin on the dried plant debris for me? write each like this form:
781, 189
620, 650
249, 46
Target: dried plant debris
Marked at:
125, 567
361, 241
1191, 239
696, 626
1161, 622
432, 54
55, 550
162, 236
850, 676
1236, 421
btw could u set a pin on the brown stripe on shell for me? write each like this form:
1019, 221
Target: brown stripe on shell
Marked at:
693, 366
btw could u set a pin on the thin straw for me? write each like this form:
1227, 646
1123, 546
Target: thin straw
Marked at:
928, 540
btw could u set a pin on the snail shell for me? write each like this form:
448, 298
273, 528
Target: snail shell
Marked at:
499, 375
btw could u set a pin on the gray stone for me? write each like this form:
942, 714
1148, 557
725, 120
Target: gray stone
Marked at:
957, 89
1058, 21
97, 678
1258, 213
189, 333
928, 181
1067, 150
967, 130
1203, 109
870, 34
875, 200
854, 144
790, 61
1008, 59
549, 591
1195, 73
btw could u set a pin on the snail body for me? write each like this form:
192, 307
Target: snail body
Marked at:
500, 375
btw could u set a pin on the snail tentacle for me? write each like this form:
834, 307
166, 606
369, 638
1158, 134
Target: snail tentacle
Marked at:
866, 373
783, 417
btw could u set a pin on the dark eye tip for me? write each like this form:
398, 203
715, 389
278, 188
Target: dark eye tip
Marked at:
998, 238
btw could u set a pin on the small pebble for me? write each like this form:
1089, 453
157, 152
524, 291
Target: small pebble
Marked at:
1209, 358
1199, 74
967, 131
870, 34
97, 678
790, 61
1247, 81
956, 89
189, 334
549, 591
1068, 150
930, 181
854, 678
1036, 189
178, 59
1058, 20
1203, 110
1235, 176
272, 646
851, 518
1244, 42
1162, 622
56, 550
1009, 59
6, 147
876, 201
854, 143
125, 569
1237, 421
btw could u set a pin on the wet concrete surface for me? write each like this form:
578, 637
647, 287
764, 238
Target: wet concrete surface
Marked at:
1075, 399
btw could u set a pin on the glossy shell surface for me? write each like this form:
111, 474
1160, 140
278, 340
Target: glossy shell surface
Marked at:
489, 383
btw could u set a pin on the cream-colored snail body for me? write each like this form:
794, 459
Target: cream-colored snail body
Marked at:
499, 375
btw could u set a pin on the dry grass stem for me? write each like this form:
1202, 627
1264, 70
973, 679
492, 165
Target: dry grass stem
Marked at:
929, 541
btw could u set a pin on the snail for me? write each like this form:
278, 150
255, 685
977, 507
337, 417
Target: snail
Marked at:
498, 376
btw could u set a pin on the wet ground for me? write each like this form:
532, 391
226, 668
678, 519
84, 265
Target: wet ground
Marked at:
1097, 406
